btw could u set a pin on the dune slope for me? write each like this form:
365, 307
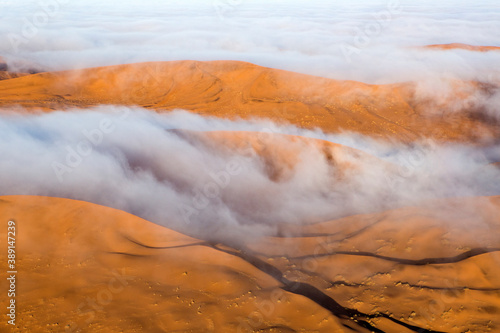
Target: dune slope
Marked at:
462, 46
83, 267
236, 89
87, 267
420, 269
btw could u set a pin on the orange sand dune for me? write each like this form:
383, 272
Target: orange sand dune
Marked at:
88, 267
83, 267
463, 47
281, 153
235, 89
434, 267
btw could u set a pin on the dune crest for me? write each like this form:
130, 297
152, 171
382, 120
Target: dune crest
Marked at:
230, 89
99, 269
467, 47
124, 273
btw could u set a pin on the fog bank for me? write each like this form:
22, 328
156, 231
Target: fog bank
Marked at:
159, 167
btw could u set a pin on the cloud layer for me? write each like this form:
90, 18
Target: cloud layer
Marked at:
155, 166
369, 41
152, 165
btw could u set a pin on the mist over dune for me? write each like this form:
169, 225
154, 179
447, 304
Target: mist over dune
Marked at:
443, 109
168, 169
368, 41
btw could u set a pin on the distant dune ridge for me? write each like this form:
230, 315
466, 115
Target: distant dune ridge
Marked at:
429, 266
463, 47
236, 89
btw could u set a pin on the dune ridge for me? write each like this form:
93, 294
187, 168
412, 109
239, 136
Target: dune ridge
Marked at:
114, 271
171, 281
232, 89
451, 46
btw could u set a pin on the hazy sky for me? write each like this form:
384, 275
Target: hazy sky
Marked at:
370, 41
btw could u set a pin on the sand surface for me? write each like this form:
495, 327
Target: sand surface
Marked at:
92, 268
451, 46
84, 266
232, 89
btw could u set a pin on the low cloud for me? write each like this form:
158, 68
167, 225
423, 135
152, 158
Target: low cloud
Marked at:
159, 166
170, 169
369, 41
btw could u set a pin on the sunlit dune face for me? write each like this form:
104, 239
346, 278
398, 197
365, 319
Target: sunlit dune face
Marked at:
98, 267
280, 155
115, 264
452, 110
252, 186
463, 47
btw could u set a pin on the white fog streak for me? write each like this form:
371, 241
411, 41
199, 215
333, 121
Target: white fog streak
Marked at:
157, 167
302, 36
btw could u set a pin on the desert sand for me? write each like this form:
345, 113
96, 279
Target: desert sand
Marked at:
233, 89
451, 46
90, 268
93, 268
83, 267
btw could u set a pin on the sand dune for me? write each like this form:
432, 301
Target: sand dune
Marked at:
83, 267
88, 267
282, 153
433, 267
235, 89
467, 47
